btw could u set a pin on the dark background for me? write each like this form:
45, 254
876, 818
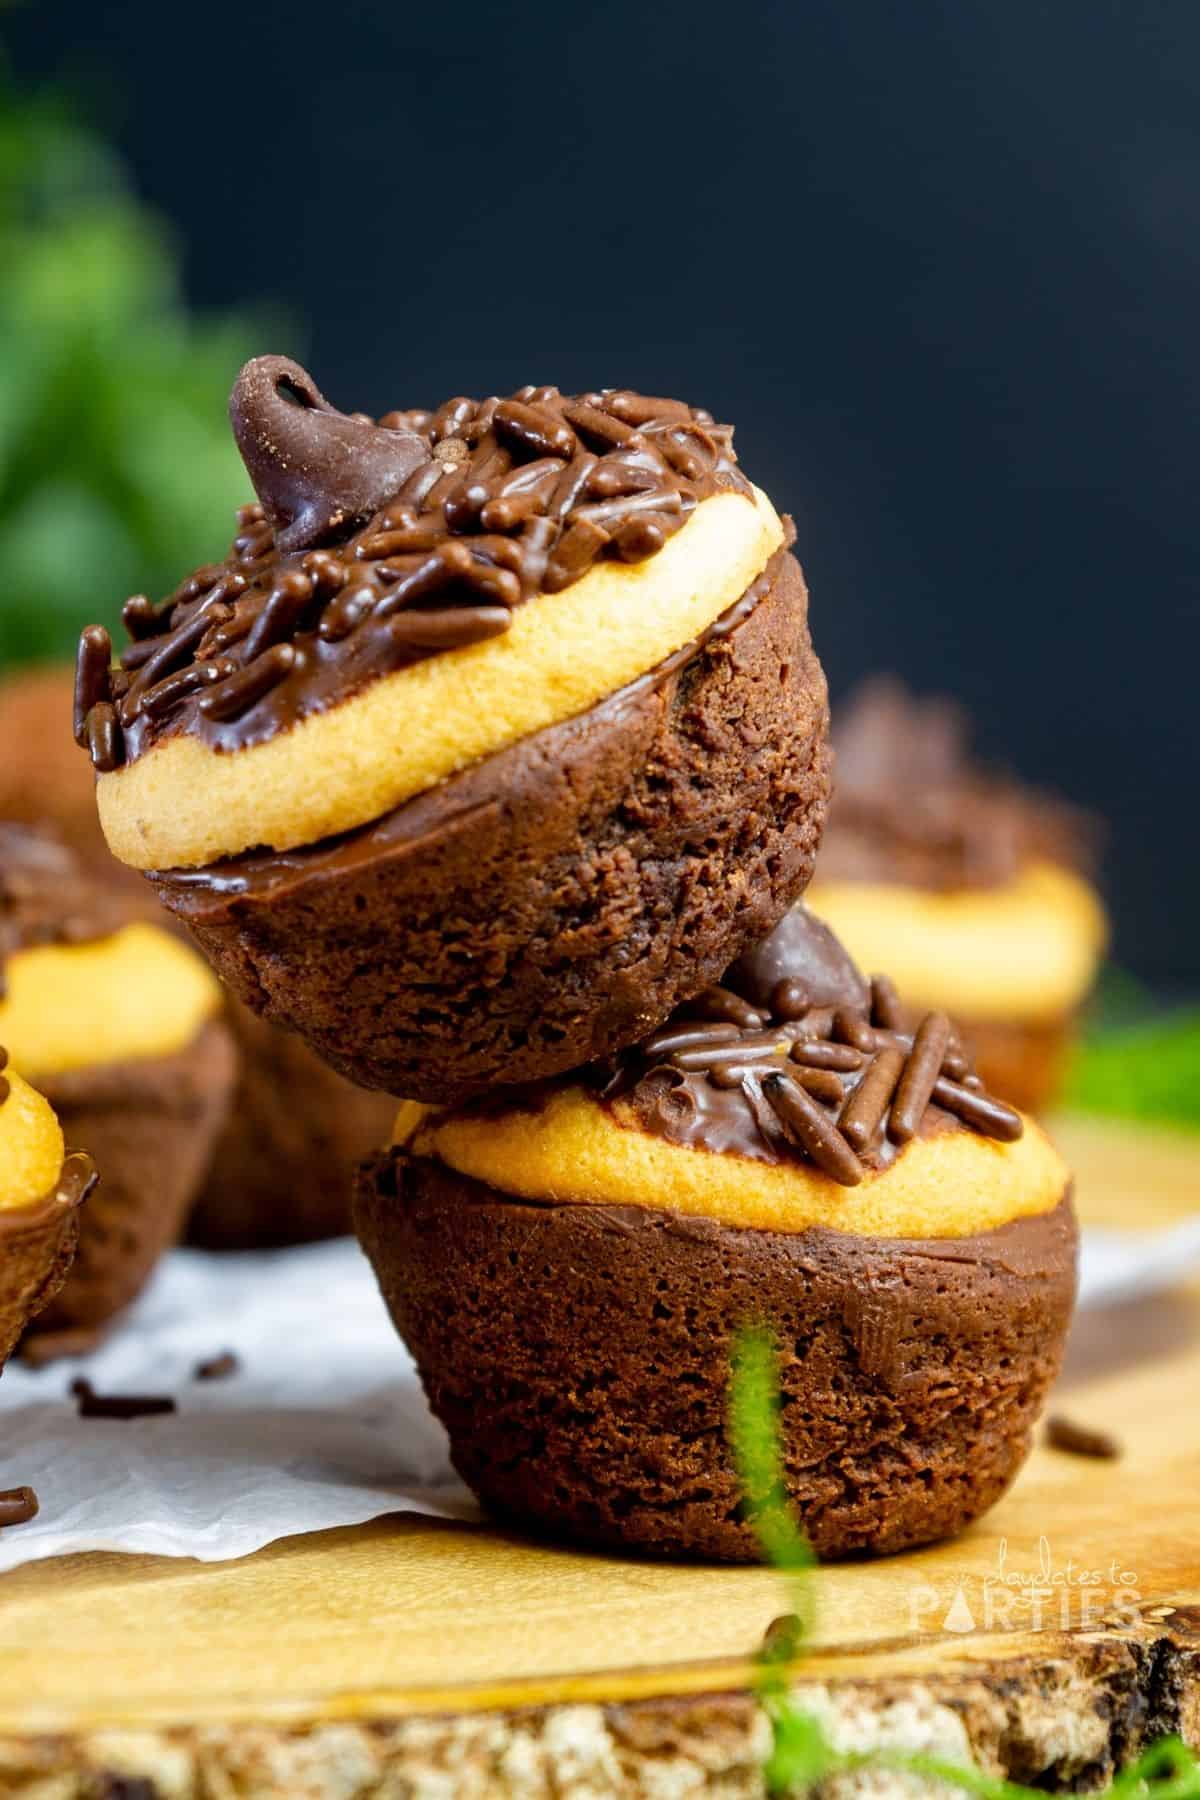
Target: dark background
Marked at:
939, 262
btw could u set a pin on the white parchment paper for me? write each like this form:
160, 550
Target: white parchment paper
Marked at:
323, 1424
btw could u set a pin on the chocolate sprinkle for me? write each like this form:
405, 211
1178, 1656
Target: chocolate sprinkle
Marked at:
17, 1506
840, 1087
921, 1071
376, 545
811, 1129
217, 1368
91, 675
118, 1406
1081, 1440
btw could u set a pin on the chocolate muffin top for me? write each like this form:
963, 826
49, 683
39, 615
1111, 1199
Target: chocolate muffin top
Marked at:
376, 544
46, 898
911, 806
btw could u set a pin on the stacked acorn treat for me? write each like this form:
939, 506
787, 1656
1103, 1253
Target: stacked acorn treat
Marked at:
493, 762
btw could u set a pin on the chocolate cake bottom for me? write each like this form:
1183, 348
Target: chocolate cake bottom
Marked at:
283, 1167
578, 1357
150, 1124
558, 899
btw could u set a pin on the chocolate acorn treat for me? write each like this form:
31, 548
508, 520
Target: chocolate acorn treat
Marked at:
570, 1265
281, 1170
975, 892
496, 735
42, 1186
119, 1025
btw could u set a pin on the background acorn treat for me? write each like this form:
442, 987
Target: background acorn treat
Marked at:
569, 1266
119, 1025
281, 1170
975, 892
497, 733
42, 1186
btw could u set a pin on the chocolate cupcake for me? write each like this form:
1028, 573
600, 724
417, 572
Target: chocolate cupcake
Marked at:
119, 1024
975, 892
569, 1266
42, 1186
497, 734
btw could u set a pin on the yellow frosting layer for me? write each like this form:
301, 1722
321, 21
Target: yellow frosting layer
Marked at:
1027, 950
31, 1146
183, 804
574, 1150
135, 994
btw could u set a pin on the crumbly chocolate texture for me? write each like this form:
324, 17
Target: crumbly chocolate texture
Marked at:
558, 899
376, 545
45, 896
579, 1359
151, 1125
283, 1166
911, 806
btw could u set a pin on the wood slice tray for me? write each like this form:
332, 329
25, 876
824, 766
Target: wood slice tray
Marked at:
409, 1657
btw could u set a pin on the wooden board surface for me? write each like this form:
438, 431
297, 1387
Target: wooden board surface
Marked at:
407, 1618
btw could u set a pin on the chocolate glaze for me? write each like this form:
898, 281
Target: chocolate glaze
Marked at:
469, 512
911, 806
78, 1177
313, 468
803, 950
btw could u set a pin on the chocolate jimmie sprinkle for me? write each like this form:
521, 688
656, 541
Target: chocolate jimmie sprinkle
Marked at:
17, 1506
92, 1405
840, 1086
374, 545
1081, 1440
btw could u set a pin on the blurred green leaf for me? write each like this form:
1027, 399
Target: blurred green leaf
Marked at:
117, 468
1145, 1072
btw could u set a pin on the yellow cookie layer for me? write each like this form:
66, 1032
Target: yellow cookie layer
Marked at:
1027, 950
31, 1146
138, 993
183, 804
577, 1151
